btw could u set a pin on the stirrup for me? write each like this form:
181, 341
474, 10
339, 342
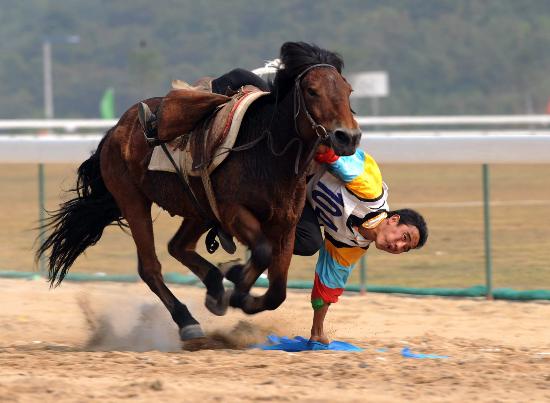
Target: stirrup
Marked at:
226, 240
147, 120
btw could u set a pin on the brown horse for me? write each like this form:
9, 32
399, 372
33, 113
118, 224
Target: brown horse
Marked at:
260, 196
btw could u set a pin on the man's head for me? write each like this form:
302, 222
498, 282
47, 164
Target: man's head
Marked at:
400, 232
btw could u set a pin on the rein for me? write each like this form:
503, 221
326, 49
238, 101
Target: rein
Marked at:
299, 104
299, 101
321, 132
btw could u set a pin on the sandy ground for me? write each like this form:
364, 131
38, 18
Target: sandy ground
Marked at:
114, 342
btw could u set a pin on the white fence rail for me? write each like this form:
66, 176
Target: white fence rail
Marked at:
386, 148
387, 145
482, 120
72, 125
47, 149
456, 148
69, 125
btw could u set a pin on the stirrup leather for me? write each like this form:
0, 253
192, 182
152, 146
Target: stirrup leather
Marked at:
148, 122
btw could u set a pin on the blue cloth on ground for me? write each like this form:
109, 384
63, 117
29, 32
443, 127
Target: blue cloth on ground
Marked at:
407, 353
301, 344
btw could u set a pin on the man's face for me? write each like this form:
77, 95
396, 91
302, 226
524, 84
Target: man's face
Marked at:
396, 238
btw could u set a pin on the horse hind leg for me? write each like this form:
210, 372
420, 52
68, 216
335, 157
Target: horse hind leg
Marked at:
136, 208
182, 247
149, 268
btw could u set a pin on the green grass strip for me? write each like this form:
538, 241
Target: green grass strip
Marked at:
177, 278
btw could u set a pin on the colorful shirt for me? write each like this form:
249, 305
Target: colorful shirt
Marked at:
345, 194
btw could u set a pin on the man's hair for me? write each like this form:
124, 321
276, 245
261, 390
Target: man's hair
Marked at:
411, 217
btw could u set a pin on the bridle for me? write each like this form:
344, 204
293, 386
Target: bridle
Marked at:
320, 130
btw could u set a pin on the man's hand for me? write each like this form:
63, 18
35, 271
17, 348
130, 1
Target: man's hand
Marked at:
325, 155
321, 149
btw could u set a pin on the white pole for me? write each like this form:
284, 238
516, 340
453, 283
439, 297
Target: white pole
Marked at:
48, 114
48, 81
375, 107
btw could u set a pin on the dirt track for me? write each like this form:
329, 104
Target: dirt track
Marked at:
114, 342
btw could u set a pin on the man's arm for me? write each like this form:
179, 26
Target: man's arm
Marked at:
359, 172
332, 270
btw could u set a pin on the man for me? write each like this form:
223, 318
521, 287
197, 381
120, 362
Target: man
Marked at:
349, 199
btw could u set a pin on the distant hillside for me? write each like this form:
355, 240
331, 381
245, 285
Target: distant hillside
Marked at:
443, 56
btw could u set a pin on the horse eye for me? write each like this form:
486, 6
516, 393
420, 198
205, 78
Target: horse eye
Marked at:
352, 111
311, 92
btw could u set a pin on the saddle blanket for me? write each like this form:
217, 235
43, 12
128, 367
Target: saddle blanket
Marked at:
231, 122
299, 343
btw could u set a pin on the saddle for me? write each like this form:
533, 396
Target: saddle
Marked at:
183, 108
211, 142
203, 126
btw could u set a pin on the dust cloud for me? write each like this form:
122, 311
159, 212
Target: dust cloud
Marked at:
146, 326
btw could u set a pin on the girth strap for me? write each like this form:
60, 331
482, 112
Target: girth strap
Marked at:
212, 244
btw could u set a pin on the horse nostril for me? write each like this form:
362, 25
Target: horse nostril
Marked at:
342, 137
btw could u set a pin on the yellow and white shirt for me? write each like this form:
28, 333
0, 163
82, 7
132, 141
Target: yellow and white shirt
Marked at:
344, 194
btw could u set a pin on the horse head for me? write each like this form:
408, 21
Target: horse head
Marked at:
322, 111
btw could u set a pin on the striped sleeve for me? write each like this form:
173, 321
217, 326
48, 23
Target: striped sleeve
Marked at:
360, 173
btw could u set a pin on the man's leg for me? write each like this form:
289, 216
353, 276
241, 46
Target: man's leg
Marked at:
236, 79
308, 239
231, 81
321, 298
317, 331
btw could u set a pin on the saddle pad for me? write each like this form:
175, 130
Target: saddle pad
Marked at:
159, 161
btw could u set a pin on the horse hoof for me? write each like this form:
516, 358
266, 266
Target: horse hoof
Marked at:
235, 274
237, 299
191, 332
217, 306
226, 266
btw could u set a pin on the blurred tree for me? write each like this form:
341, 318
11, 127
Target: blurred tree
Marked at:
145, 67
443, 56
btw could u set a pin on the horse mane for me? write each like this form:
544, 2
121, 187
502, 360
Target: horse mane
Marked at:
298, 56
267, 112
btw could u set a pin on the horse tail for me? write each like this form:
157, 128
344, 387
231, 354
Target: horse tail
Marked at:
80, 221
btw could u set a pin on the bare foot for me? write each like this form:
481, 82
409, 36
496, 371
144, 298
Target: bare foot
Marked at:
321, 339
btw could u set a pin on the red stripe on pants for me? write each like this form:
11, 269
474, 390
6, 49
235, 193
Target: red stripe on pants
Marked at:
328, 295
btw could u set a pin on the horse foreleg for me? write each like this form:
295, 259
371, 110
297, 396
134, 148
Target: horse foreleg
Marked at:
278, 273
182, 246
246, 227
